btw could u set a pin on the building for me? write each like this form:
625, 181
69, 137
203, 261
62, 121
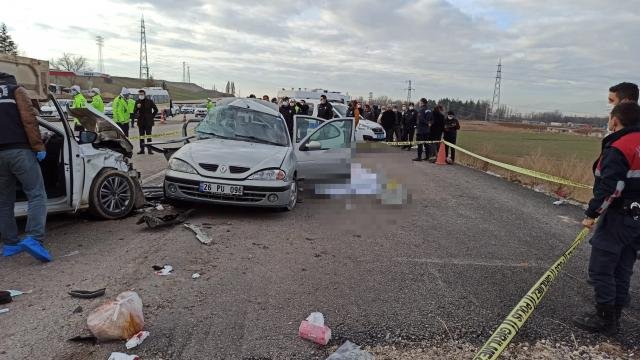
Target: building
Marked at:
335, 96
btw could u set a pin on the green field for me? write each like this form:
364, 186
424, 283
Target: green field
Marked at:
512, 145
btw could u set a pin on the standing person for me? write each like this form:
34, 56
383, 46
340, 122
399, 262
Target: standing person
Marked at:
210, 104
120, 110
397, 123
616, 200
451, 127
376, 112
325, 109
96, 101
131, 107
79, 101
265, 97
304, 108
368, 113
388, 122
379, 117
21, 149
145, 113
424, 118
409, 119
623, 92
436, 130
287, 112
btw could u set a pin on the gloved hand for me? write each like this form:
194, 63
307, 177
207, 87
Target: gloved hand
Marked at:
40, 155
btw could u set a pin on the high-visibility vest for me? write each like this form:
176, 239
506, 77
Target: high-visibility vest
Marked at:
97, 103
79, 102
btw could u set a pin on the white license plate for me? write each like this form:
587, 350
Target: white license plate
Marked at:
379, 136
221, 189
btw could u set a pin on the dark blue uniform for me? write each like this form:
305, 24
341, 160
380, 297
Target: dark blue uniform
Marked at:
617, 201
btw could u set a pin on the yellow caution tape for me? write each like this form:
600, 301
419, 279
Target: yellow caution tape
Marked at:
396, 143
523, 171
503, 335
153, 136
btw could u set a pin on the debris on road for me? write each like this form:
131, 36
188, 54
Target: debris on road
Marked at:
78, 310
15, 293
5, 297
313, 329
195, 276
560, 202
350, 351
87, 294
119, 319
122, 356
153, 192
159, 207
85, 339
202, 236
137, 339
163, 271
73, 253
2, 311
166, 217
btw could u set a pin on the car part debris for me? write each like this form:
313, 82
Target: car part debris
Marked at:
153, 192
72, 253
165, 270
85, 339
136, 339
160, 218
15, 293
200, 234
118, 319
122, 356
78, 310
195, 276
350, 351
560, 202
87, 294
157, 267
313, 329
5, 297
2, 311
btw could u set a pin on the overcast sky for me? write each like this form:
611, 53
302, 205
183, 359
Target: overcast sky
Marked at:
556, 54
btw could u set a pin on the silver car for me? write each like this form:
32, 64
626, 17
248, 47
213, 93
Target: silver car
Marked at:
243, 155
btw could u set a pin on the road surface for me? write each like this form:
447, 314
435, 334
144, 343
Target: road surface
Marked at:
449, 264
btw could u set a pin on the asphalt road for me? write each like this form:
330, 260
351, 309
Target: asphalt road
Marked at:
449, 264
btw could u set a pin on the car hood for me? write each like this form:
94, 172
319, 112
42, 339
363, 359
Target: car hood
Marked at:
109, 134
232, 153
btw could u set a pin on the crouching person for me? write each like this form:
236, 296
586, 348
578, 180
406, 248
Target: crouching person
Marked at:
21, 149
616, 201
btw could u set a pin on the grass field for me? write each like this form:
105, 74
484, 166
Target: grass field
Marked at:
568, 156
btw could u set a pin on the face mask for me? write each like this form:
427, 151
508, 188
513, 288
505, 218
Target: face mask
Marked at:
410, 107
141, 97
450, 117
404, 109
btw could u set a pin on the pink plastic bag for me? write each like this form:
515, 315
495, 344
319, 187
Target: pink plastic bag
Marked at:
119, 319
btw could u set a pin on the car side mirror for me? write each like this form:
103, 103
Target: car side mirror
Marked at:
87, 137
313, 145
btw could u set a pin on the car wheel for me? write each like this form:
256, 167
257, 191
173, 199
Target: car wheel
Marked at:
112, 195
293, 198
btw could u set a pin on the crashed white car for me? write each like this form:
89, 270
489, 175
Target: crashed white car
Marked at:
243, 155
91, 171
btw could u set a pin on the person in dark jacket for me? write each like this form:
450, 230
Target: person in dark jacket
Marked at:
424, 120
325, 110
388, 122
145, 113
616, 201
409, 119
288, 112
376, 112
21, 148
397, 123
436, 130
451, 127
304, 108
368, 113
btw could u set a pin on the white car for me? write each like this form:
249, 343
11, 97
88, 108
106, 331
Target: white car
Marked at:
200, 112
365, 131
91, 171
187, 109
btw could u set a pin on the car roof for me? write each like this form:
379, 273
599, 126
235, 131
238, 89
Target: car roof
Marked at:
266, 107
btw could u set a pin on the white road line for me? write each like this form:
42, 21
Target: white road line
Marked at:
523, 264
149, 179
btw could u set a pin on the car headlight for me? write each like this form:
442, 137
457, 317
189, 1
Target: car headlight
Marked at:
181, 166
268, 175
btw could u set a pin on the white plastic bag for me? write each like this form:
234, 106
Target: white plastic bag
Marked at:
119, 319
350, 351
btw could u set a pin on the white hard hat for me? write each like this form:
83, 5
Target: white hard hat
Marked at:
76, 88
96, 90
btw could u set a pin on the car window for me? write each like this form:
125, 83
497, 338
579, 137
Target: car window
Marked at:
340, 109
335, 135
304, 126
239, 123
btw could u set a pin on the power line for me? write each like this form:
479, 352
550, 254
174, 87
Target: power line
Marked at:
409, 90
495, 103
144, 63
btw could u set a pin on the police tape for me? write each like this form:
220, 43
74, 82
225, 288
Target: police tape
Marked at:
153, 136
404, 143
506, 331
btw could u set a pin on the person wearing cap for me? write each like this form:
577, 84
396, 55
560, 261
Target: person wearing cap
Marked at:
121, 111
96, 100
145, 112
210, 104
265, 97
79, 101
286, 109
21, 148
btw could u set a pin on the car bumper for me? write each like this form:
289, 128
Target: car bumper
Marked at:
186, 187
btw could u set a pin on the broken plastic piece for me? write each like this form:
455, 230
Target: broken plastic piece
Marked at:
350, 351
15, 293
313, 329
316, 318
5, 297
166, 270
137, 339
200, 234
156, 218
119, 319
122, 356
195, 276
2, 311
87, 294
560, 202
85, 339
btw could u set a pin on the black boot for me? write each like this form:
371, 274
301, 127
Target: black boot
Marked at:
603, 320
619, 309
141, 151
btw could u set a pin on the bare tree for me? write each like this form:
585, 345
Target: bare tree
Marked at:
70, 62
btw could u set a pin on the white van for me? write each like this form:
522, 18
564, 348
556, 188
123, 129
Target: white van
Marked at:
366, 130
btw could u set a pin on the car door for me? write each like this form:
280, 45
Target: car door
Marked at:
325, 152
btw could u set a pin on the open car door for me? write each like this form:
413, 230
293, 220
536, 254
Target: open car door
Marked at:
326, 149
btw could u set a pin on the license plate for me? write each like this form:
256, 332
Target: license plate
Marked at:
380, 136
221, 189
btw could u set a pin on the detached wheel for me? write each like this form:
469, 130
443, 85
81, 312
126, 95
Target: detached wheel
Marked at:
112, 195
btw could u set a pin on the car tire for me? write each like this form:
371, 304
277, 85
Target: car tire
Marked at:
112, 195
293, 199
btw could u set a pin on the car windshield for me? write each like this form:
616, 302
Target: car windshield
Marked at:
340, 109
238, 123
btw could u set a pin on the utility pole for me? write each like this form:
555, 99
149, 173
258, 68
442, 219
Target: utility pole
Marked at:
188, 73
409, 89
100, 43
370, 97
144, 62
495, 103
184, 71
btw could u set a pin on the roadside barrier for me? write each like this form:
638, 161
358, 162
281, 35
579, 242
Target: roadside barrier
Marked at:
505, 332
